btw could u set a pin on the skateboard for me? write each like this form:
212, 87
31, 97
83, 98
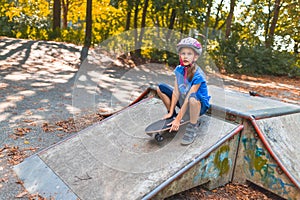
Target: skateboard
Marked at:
157, 128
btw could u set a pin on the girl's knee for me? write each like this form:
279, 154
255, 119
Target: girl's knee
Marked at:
194, 101
160, 89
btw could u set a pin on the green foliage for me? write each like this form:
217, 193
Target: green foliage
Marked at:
237, 56
262, 60
72, 36
6, 27
243, 52
25, 19
163, 56
32, 27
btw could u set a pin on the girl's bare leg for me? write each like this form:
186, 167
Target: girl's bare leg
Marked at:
195, 107
165, 99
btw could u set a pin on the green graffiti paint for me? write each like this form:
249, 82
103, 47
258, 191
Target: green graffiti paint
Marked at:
221, 160
258, 162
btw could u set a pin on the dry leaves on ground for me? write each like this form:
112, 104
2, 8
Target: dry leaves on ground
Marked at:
281, 88
21, 131
228, 192
72, 125
14, 154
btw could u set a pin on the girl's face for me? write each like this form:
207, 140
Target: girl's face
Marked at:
187, 56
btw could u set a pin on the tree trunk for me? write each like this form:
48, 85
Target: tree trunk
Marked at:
229, 18
65, 6
217, 15
207, 17
143, 25
135, 23
157, 25
56, 18
128, 16
267, 25
296, 47
88, 31
172, 22
273, 24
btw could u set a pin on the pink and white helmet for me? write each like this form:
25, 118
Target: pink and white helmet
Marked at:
191, 43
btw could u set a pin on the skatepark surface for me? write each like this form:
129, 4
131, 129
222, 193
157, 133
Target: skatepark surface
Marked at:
115, 159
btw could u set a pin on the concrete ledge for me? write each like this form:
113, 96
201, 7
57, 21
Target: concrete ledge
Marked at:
39, 178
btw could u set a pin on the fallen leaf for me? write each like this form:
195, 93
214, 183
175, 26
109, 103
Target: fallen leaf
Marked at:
22, 131
48, 128
13, 136
33, 124
28, 112
4, 180
22, 194
19, 182
60, 135
27, 120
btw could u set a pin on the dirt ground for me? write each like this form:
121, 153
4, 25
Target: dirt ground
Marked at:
31, 69
283, 88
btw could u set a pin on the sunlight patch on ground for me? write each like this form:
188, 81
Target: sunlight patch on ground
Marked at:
6, 105
3, 85
4, 116
27, 93
18, 76
39, 84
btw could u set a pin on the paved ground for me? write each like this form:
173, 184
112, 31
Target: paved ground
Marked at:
37, 78
40, 97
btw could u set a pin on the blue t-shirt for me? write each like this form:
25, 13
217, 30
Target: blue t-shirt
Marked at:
198, 78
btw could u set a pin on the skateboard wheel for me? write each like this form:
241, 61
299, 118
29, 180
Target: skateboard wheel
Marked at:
159, 138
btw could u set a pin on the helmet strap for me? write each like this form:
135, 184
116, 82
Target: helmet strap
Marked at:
185, 68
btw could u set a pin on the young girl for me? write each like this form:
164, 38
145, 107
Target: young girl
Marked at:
190, 92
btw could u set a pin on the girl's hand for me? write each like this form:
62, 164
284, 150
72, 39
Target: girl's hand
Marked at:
175, 125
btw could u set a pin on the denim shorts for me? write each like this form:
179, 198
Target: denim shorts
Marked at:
168, 90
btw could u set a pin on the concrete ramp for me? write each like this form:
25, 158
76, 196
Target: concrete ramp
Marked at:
241, 139
115, 159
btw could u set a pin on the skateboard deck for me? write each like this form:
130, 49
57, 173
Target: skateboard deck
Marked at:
158, 127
